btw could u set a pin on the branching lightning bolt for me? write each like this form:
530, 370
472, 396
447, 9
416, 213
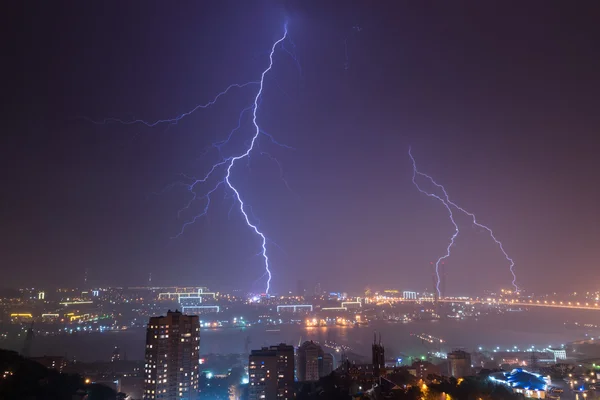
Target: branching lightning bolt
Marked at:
225, 164
234, 159
447, 202
176, 119
450, 214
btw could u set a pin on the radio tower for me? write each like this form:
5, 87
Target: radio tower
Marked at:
533, 362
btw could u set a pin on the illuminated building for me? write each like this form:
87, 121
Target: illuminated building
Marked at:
295, 308
312, 362
406, 295
522, 382
421, 369
459, 363
559, 354
349, 305
271, 373
187, 293
172, 357
21, 317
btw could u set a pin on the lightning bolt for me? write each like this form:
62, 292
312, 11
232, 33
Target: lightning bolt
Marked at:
226, 164
447, 202
175, 120
450, 214
247, 153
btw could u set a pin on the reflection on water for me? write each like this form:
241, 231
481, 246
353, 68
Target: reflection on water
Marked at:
519, 329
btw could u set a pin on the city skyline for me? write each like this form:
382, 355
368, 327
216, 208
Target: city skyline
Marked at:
509, 131
193, 342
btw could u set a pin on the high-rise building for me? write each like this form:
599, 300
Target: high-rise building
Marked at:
312, 362
318, 290
309, 361
459, 363
172, 357
378, 352
271, 373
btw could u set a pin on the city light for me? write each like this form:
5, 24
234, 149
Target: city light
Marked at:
154, 250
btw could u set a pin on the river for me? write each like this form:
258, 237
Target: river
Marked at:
522, 329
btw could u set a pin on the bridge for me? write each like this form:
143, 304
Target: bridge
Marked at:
573, 305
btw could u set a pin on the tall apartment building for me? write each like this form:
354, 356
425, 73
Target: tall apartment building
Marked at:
459, 363
172, 357
312, 362
271, 373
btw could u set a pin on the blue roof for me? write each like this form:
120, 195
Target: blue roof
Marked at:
521, 379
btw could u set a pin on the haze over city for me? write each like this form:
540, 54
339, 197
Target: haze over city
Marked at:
497, 101
297, 200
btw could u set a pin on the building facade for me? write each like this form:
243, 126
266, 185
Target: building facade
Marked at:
312, 362
271, 373
459, 363
559, 354
172, 357
421, 369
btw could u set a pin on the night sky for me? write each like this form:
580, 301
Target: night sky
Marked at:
498, 99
